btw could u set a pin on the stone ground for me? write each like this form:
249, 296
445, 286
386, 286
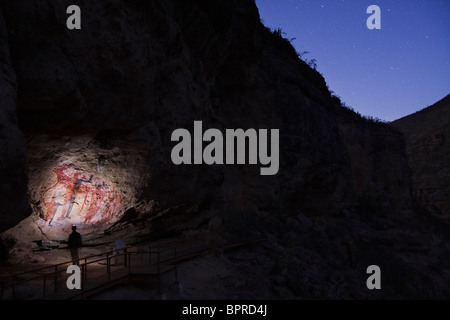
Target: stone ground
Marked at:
204, 278
211, 277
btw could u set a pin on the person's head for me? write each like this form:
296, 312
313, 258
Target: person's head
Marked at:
74, 228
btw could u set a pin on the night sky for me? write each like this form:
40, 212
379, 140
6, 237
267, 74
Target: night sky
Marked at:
387, 73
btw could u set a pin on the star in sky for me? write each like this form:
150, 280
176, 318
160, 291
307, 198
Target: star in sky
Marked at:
414, 40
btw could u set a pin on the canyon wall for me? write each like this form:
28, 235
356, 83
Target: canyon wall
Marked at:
427, 135
96, 108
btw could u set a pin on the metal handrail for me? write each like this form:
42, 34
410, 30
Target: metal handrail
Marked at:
11, 280
115, 253
60, 264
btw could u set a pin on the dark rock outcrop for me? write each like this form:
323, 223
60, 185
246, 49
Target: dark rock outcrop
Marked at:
98, 106
14, 205
427, 135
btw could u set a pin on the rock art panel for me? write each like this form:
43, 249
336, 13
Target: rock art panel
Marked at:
78, 197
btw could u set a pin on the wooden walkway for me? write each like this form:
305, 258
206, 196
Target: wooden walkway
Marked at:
105, 270
97, 273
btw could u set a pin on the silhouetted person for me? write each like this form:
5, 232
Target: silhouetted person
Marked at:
74, 243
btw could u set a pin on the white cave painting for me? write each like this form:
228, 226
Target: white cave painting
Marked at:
79, 197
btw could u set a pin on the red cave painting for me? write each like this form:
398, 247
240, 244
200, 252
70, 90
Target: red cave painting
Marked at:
79, 195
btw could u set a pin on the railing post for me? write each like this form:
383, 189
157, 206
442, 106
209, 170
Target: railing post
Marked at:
176, 265
150, 256
108, 266
45, 284
158, 262
83, 275
56, 278
159, 276
84, 270
13, 291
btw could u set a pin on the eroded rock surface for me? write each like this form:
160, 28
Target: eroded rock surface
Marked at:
14, 205
427, 135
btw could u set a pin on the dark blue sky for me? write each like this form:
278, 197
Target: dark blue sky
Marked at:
386, 73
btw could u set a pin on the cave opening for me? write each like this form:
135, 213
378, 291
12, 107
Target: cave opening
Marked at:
75, 180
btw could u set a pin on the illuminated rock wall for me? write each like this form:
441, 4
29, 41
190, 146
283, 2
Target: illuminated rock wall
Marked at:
79, 199
75, 182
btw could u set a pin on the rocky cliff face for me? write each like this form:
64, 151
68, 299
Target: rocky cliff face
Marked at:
97, 107
13, 168
427, 135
